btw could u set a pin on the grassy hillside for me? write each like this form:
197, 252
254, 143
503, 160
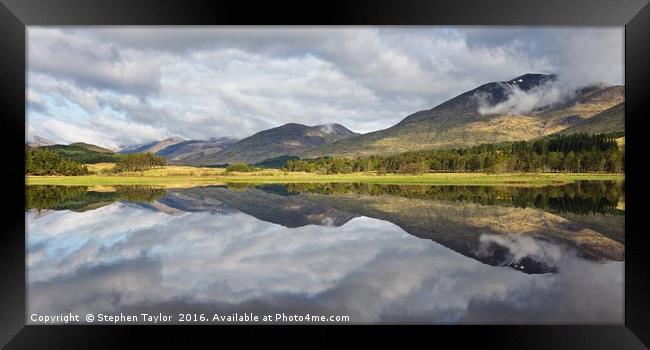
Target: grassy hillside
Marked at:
91, 147
609, 121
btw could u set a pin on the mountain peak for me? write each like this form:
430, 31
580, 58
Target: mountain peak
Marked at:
174, 139
334, 129
530, 80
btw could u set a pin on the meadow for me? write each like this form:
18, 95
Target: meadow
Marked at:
187, 176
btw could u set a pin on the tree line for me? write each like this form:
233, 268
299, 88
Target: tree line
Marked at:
45, 162
41, 161
562, 153
139, 162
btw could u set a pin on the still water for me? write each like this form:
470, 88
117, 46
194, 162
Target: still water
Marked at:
375, 253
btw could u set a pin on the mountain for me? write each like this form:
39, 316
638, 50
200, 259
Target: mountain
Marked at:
152, 147
483, 115
37, 141
195, 151
611, 120
286, 140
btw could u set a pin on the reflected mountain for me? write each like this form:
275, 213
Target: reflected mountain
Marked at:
517, 227
466, 227
270, 203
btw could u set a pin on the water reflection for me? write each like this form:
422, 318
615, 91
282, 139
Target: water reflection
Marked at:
377, 253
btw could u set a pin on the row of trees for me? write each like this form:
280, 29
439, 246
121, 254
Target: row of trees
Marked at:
579, 197
45, 162
79, 198
139, 162
565, 153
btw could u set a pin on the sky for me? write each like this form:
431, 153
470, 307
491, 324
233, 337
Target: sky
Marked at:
116, 86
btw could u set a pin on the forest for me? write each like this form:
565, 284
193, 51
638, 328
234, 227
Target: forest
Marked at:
575, 153
46, 162
42, 161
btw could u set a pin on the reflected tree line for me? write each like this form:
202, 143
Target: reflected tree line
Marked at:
80, 197
583, 197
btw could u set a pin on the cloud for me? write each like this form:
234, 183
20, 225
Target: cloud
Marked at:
520, 101
91, 63
202, 82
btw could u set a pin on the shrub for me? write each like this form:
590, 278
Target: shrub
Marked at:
239, 167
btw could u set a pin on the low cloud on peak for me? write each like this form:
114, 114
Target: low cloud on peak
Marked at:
520, 101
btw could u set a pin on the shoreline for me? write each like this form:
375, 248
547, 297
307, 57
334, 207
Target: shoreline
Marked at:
277, 177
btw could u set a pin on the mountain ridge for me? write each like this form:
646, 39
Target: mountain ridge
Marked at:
459, 123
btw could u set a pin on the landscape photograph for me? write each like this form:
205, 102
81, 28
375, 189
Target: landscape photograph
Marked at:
325, 175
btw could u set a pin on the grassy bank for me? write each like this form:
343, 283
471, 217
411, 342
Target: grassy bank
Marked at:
178, 176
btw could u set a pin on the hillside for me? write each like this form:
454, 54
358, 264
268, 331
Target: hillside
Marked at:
91, 147
609, 121
84, 153
286, 140
474, 118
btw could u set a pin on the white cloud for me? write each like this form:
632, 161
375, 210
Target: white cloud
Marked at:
520, 101
201, 82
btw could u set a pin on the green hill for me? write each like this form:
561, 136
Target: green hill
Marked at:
84, 153
91, 147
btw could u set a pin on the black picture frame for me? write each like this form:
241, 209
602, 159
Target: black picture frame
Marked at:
15, 15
